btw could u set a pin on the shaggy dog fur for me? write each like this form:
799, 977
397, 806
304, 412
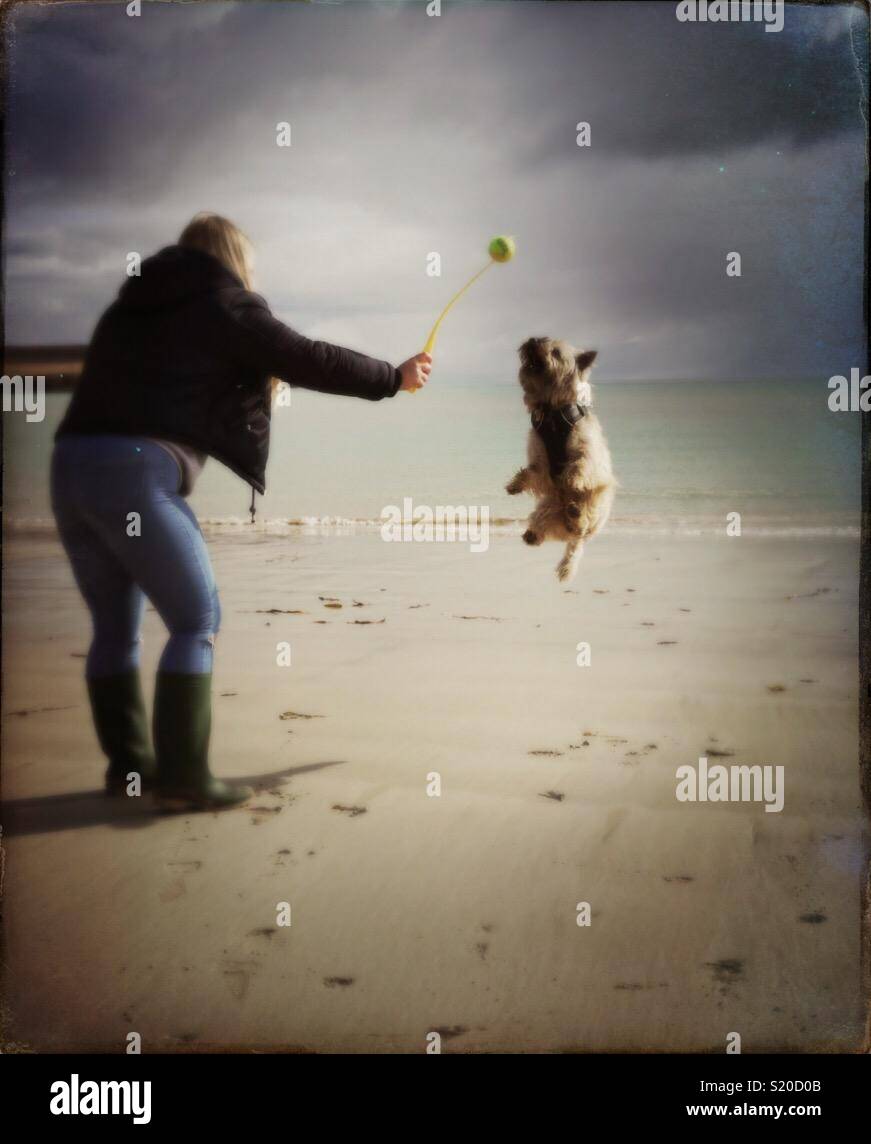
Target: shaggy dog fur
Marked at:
574, 503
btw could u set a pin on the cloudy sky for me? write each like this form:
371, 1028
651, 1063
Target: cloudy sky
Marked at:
413, 134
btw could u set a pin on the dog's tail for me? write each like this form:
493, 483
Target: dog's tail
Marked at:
568, 566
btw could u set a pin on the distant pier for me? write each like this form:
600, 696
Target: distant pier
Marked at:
60, 365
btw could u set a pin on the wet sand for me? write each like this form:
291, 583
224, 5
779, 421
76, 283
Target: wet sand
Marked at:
455, 913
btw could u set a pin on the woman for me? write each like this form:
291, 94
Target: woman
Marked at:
181, 366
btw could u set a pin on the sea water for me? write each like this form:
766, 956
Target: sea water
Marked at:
685, 453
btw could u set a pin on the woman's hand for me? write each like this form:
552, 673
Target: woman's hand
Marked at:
415, 372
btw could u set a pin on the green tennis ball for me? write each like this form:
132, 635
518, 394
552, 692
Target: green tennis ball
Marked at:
502, 248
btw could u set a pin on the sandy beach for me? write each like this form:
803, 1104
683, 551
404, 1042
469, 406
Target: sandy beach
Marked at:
455, 913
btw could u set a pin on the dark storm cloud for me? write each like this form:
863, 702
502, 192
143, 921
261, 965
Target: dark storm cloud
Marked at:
414, 134
650, 85
90, 84
655, 87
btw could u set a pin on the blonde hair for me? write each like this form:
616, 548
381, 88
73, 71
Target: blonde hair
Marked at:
213, 234
223, 240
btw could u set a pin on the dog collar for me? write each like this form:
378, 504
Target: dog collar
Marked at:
548, 415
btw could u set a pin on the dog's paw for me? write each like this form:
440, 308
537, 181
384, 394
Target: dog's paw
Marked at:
512, 488
530, 537
568, 566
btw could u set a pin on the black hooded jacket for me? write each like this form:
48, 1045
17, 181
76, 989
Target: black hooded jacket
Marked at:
186, 352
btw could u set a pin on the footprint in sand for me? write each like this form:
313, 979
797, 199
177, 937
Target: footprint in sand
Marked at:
728, 971
775, 688
351, 811
261, 814
547, 752
40, 710
615, 817
808, 595
238, 976
556, 795
813, 919
177, 888
339, 982
172, 891
495, 619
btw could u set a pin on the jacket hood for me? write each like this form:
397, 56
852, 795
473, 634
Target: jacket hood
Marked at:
173, 274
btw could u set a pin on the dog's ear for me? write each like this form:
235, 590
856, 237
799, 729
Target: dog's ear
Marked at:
585, 359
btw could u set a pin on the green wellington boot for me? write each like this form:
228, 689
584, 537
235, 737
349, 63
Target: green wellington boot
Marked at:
182, 725
122, 728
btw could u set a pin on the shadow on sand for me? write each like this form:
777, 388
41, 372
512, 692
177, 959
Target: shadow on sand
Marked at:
92, 808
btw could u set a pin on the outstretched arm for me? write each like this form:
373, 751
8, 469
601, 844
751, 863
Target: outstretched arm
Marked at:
271, 347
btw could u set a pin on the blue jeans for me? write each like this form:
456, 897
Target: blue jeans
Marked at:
128, 535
